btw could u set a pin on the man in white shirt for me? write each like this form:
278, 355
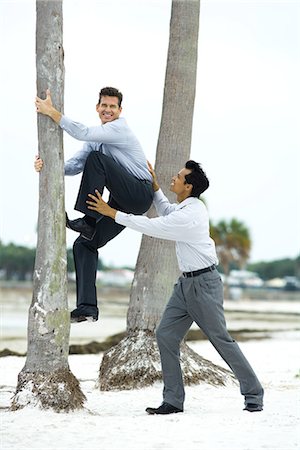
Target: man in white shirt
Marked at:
111, 157
198, 294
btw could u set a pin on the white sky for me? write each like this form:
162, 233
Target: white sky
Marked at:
246, 123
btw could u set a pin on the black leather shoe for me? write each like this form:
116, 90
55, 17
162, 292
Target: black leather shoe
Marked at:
78, 316
80, 225
164, 408
253, 407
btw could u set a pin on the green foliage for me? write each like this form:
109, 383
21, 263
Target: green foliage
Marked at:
232, 241
276, 269
17, 262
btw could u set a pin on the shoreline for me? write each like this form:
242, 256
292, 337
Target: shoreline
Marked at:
246, 319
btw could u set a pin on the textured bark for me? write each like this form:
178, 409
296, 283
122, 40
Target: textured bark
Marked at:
58, 390
135, 361
46, 379
157, 269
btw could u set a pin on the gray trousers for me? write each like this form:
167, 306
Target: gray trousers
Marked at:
200, 299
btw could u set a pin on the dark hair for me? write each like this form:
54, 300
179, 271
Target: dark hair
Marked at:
197, 178
111, 92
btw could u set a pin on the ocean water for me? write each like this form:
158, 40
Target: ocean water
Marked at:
263, 317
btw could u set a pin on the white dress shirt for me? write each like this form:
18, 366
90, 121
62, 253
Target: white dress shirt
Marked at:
187, 223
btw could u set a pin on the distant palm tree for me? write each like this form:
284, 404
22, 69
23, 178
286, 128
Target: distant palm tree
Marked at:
233, 244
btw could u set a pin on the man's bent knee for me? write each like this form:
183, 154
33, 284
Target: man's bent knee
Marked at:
92, 156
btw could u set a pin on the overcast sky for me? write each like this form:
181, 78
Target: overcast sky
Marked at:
246, 121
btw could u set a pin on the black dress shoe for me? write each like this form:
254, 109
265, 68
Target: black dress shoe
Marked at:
253, 407
79, 316
81, 226
164, 408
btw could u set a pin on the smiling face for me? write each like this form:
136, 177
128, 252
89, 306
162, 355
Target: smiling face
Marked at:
179, 186
108, 108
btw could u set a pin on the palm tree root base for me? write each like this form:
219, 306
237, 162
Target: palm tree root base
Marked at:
58, 390
135, 362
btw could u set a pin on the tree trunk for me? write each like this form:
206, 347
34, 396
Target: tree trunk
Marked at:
46, 379
135, 361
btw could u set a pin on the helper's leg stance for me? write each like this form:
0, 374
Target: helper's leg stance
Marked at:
200, 299
205, 298
174, 325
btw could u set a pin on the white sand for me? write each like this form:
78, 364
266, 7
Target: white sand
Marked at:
213, 417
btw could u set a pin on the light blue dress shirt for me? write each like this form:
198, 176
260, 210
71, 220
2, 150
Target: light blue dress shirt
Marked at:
114, 139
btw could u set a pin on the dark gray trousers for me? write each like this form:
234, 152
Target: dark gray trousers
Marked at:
200, 299
127, 194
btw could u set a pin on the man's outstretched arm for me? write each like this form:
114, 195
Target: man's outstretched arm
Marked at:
176, 226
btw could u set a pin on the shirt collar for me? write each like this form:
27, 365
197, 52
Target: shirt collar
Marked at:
187, 201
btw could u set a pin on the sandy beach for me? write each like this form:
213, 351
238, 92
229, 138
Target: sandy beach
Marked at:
213, 418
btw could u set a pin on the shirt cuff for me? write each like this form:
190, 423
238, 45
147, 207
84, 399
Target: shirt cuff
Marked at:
158, 194
121, 218
63, 122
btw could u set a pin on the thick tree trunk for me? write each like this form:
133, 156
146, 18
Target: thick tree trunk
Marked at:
46, 379
157, 267
135, 361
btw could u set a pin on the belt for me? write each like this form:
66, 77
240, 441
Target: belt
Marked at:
195, 273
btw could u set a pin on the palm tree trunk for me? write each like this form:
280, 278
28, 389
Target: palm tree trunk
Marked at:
136, 357
46, 379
